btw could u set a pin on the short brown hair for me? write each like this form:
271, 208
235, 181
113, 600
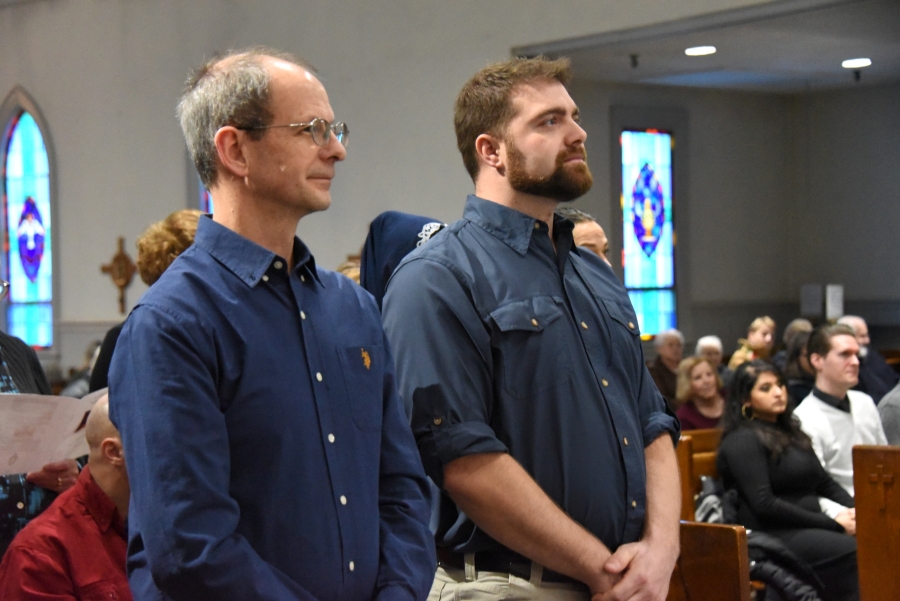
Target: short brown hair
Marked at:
819, 342
163, 241
683, 388
484, 105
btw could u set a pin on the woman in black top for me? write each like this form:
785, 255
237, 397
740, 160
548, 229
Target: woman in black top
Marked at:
770, 462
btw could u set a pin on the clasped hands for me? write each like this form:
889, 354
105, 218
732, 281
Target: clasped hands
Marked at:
635, 572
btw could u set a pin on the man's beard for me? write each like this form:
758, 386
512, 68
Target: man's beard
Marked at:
567, 182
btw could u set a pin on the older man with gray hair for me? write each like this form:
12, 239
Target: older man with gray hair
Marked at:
876, 378
269, 453
664, 369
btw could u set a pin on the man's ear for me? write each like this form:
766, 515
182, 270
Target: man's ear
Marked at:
487, 147
816, 360
112, 451
229, 142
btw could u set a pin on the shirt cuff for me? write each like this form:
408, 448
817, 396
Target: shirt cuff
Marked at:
830, 508
659, 423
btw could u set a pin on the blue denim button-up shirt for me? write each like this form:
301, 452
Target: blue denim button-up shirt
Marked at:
268, 452
504, 344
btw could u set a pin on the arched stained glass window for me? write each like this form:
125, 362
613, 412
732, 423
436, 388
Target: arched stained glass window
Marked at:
27, 242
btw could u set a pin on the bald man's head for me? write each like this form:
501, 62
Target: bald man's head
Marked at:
98, 427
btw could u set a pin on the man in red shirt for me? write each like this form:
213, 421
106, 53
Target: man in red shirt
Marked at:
76, 549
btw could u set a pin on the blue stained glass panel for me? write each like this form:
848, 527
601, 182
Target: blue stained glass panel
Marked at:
648, 236
648, 233
655, 309
29, 234
32, 322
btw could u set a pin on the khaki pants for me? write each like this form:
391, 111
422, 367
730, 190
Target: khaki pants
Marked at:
451, 584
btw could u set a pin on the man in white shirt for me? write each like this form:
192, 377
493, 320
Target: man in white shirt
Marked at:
835, 417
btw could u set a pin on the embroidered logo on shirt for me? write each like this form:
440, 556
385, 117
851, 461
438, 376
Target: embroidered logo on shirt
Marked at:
367, 361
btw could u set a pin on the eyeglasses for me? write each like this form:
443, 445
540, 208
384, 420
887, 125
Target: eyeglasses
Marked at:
4, 289
320, 129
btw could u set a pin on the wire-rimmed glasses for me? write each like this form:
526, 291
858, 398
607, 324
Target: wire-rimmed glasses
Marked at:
320, 130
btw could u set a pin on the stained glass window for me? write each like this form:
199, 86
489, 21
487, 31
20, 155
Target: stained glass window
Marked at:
29, 233
648, 250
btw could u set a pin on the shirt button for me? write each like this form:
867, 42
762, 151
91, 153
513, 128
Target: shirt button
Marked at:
604, 382
438, 421
265, 278
352, 566
278, 264
302, 279
318, 376
583, 325
20, 505
625, 440
343, 500
331, 438
537, 225
302, 315
634, 504
630, 325
534, 322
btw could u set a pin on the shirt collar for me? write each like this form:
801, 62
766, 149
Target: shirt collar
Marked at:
842, 404
99, 505
245, 259
510, 226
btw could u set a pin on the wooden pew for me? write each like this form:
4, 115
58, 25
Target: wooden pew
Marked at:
696, 453
713, 564
876, 471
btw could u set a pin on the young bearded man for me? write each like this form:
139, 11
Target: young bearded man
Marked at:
532, 407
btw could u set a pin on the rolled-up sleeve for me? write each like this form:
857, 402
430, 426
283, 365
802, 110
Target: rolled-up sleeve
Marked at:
656, 417
164, 402
440, 339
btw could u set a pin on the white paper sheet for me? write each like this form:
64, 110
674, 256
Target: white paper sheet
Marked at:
37, 429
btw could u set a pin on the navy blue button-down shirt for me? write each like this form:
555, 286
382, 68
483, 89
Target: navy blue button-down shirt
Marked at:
507, 345
267, 448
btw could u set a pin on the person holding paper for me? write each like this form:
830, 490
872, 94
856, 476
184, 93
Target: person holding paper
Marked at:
76, 549
24, 496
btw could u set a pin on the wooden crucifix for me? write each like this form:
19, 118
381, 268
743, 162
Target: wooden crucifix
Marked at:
121, 269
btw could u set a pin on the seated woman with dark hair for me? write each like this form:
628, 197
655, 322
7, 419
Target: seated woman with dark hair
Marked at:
800, 374
769, 461
698, 394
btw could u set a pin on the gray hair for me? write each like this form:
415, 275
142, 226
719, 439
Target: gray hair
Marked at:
851, 320
662, 336
708, 341
232, 89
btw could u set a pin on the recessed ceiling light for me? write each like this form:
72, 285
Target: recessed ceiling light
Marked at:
700, 50
856, 63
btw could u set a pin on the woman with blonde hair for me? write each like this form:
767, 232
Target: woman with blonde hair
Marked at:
758, 344
699, 394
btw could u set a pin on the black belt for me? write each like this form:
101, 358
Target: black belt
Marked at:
490, 561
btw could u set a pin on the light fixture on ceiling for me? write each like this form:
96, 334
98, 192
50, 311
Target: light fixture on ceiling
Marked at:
700, 50
856, 63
